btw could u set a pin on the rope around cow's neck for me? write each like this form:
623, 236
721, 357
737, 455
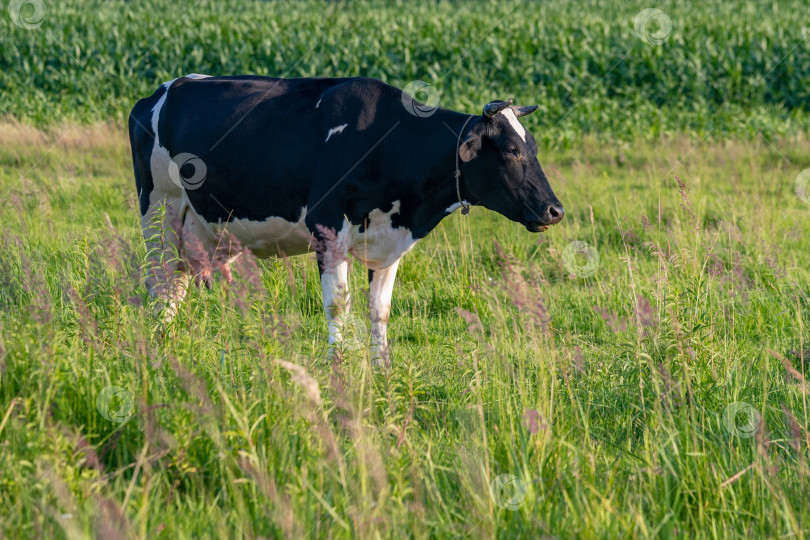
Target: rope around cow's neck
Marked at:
465, 208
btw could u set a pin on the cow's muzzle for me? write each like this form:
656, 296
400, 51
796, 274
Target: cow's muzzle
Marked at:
541, 221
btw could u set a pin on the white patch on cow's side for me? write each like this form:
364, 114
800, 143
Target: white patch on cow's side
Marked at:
380, 245
514, 122
319, 101
456, 205
197, 76
334, 130
272, 236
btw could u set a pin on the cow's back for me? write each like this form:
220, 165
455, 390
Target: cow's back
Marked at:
255, 136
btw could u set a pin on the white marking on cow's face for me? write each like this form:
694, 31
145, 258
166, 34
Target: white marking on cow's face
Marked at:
334, 130
319, 101
513, 121
273, 236
380, 244
455, 206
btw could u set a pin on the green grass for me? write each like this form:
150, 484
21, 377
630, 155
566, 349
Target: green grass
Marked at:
605, 396
739, 68
612, 427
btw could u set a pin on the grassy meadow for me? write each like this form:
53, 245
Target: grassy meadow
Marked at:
640, 370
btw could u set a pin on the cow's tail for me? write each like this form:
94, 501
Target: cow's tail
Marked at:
141, 140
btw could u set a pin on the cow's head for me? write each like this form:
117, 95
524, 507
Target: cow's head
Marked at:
500, 170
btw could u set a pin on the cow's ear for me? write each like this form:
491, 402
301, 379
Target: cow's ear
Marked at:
469, 148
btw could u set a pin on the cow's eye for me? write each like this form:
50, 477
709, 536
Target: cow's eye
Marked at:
512, 152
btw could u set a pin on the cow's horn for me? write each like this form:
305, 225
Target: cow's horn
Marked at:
523, 111
494, 107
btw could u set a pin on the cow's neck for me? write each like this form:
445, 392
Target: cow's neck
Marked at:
436, 187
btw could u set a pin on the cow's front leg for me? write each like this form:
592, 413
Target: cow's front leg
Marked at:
332, 246
336, 301
381, 285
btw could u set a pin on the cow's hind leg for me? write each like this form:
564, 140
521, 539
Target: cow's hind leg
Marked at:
381, 286
167, 277
161, 203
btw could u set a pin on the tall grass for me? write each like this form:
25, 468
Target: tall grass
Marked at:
602, 397
640, 370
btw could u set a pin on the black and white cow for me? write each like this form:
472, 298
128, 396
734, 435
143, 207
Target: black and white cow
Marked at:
280, 161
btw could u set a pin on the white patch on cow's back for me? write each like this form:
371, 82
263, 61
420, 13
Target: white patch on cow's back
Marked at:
456, 205
514, 122
197, 76
319, 101
334, 130
272, 236
380, 245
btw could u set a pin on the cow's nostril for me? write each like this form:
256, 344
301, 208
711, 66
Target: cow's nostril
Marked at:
555, 213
